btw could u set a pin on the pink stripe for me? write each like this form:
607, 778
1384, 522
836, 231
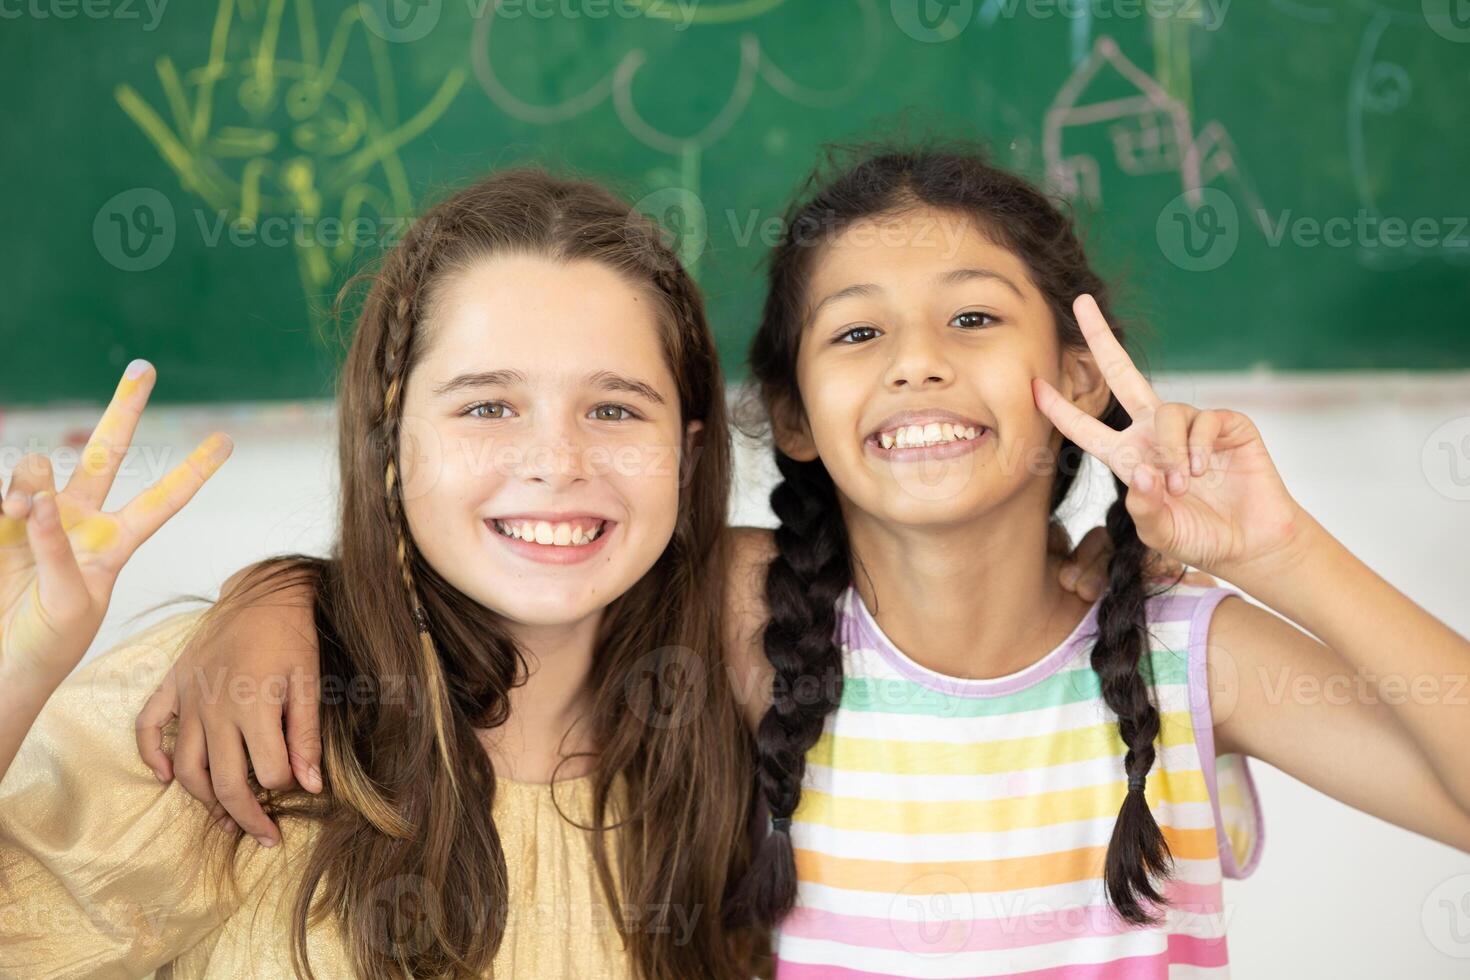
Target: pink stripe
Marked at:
1155, 967
1019, 929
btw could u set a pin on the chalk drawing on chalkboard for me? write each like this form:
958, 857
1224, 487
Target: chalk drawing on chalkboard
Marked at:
615, 87
270, 141
1379, 89
1149, 132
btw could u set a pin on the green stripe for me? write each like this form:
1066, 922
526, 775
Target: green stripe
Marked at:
897, 696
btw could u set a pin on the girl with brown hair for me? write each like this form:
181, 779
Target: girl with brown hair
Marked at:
534, 467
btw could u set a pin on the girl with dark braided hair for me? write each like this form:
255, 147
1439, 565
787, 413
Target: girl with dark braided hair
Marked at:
969, 771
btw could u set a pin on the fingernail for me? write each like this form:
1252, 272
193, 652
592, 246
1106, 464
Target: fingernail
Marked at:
266, 842
1069, 576
1196, 463
1176, 482
43, 507
137, 368
314, 776
1143, 480
158, 775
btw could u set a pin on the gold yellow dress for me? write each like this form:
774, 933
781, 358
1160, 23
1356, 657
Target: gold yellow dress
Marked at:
101, 873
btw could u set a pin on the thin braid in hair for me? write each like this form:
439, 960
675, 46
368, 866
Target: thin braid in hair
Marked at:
395, 369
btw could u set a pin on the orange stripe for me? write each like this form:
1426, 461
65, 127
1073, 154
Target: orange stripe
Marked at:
1002, 874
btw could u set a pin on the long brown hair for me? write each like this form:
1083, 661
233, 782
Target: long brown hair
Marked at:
813, 563
405, 817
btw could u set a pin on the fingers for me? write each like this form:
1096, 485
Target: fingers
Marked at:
304, 735
1087, 432
1202, 436
32, 475
64, 595
1128, 385
229, 779
148, 511
1085, 571
1171, 432
191, 762
1145, 502
161, 706
110, 440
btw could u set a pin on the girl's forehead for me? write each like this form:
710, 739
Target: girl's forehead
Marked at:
543, 309
922, 247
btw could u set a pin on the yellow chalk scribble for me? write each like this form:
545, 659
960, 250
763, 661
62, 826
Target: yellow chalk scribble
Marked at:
256, 135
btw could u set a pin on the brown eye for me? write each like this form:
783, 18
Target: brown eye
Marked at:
973, 320
842, 337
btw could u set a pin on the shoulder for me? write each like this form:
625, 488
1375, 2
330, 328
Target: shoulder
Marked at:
751, 551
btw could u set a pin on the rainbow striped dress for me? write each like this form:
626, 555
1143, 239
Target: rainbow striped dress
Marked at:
956, 828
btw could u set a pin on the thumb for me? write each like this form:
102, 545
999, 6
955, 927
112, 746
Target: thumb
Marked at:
303, 734
1146, 505
162, 706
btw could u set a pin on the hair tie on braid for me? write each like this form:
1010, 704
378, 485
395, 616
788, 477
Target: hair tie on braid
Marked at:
781, 825
1136, 782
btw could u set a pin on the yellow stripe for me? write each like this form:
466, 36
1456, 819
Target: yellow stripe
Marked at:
1004, 874
898, 816
850, 754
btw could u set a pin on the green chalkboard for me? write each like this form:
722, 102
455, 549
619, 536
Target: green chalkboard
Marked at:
1280, 183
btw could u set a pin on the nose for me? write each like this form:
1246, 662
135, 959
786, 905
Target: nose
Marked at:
554, 457
919, 360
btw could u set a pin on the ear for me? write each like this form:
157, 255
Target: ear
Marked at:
792, 434
1083, 382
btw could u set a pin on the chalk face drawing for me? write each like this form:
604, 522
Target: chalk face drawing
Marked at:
672, 46
255, 134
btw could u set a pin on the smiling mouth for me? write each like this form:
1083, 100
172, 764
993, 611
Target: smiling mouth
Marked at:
930, 434
562, 534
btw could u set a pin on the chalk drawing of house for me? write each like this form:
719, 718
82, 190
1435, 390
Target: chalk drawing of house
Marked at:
1110, 101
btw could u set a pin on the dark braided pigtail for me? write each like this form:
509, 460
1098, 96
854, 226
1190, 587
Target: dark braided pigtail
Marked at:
805, 578
1137, 853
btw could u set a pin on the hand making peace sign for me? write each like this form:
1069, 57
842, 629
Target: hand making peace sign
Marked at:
60, 554
1202, 488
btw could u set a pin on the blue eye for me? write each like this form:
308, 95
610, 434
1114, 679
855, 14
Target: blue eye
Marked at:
616, 408
474, 410
973, 315
848, 333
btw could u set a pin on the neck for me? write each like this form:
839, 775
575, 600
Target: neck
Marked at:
542, 728
975, 600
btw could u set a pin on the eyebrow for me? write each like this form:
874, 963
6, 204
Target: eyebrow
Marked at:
505, 377
950, 278
956, 276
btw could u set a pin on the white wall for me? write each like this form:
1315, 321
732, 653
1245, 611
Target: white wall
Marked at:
1338, 894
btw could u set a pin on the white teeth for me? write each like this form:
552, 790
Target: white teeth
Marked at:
544, 532
931, 434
